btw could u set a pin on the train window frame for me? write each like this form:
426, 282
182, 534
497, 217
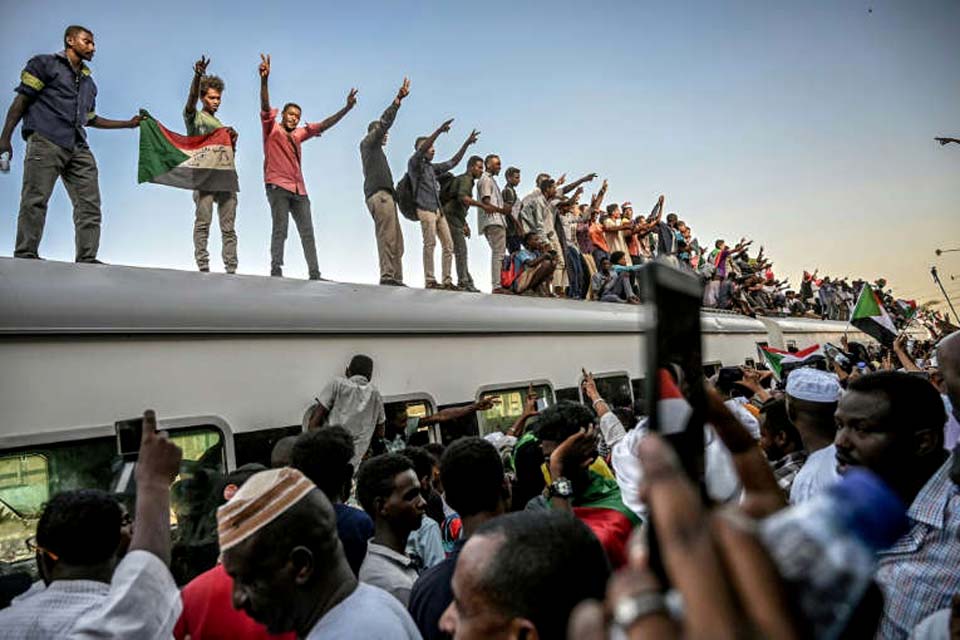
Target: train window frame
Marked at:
520, 386
98, 440
712, 363
433, 431
606, 375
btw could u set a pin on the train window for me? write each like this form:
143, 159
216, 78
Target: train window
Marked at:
256, 446
30, 477
710, 369
615, 388
568, 393
501, 416
413, 407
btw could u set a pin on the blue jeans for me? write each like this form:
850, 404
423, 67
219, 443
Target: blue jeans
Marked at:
575, 273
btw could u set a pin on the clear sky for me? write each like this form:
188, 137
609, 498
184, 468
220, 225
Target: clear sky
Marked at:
807, 126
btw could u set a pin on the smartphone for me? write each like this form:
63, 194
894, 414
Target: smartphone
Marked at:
129, 435
672, 341
541, 404
673, 344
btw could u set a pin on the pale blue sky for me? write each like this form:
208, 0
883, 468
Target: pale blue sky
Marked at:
806, 125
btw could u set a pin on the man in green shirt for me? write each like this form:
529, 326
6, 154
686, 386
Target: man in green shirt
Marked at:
209, 89
458, 202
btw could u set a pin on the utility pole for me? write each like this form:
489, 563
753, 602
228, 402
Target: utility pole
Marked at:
936, 278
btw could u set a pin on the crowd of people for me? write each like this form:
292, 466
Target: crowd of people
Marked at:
544, 243
362, 529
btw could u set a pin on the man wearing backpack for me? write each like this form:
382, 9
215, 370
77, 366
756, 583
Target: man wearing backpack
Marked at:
457, 199
422, 174
378, 190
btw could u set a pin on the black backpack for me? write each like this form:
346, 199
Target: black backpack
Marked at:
445, 180
405, 200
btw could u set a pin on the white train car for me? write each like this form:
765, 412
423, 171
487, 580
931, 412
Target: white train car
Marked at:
232, 363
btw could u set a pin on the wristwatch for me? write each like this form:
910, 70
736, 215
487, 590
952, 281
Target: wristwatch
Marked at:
561, 488
628, 610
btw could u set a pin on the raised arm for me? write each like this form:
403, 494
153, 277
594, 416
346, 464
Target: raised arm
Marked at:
335, 118
576, 183
199, 68
375, 137
945, 141
432, 138
597, 200
458, 156
157, 467
264, 77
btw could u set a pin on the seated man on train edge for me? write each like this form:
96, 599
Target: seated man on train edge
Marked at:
530, 269
354, 403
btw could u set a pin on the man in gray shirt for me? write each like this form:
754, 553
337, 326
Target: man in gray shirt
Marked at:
378, 191
389, 491
426, 193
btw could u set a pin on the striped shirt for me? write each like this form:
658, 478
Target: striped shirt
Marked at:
920, 573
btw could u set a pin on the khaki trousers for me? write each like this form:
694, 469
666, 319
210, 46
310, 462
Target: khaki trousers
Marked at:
383, 208
497, 239
560, 275
227, 210
433, 225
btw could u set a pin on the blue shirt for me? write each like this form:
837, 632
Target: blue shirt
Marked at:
423, 174
62, 101
354, 528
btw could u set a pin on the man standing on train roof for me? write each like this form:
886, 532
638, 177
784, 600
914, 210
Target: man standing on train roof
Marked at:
56, 99
379, 192
209, 90
283, 172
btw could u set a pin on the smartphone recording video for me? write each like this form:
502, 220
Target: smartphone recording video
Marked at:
674, 362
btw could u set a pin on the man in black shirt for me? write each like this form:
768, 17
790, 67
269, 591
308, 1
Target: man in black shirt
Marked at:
378, 190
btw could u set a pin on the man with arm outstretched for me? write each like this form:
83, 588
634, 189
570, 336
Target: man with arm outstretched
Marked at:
283, 174
56, 99
426, 193
379, 192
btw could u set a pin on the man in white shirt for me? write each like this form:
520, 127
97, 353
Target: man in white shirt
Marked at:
354, 403
493, 225
812, 397
278, 538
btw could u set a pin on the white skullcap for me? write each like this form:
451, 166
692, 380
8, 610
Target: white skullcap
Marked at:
813, 385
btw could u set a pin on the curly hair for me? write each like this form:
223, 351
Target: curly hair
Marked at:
376, 478
210, 82
324, 457
82, 527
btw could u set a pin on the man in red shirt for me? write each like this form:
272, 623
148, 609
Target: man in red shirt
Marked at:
208, 612
286, 190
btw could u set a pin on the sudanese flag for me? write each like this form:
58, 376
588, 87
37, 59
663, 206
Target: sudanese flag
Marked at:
204, 163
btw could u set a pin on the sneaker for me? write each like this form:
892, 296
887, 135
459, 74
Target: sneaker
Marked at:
276, 273
434, 285
390, 282
231, 270
204, 269
469, 288
316, 276
451, 287
93, 261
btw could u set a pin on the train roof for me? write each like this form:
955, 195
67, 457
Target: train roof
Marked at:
41, 297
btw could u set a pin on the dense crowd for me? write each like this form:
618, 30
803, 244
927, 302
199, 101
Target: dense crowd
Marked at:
828, 506
544, 243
